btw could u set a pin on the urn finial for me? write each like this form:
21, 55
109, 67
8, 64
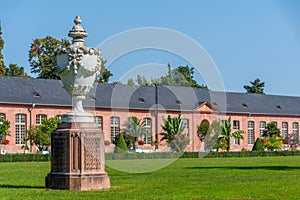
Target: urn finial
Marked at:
77, 32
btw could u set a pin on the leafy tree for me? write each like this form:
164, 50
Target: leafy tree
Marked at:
42, 59
226, 134
15, 70
271, 129
4, 126
141, 80
202, 130
130, 82
136, 128
121, 146
173, 133
211, 140
2, 66
42, 56
273, 142
105, 73
256, 87
41, 135
258, 145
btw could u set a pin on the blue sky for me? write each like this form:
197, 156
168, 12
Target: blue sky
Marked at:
246, 39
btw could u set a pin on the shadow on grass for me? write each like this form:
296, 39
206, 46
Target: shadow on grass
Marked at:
249, 167
21, 186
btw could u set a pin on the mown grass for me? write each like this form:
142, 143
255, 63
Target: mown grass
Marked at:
215, 178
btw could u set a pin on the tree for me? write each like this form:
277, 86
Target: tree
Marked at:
42, 59
256, 87
4, 126
41, 135
180, 76
226, 134
258, 145
15, 70
42, 56
173, 133
273, 142
121, 146
271, 129
105, 73
130, 82
202, 130
2, 66
136, 128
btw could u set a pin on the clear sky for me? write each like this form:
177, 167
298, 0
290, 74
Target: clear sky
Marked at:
246, 39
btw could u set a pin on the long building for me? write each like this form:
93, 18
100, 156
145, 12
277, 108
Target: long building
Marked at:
27, 101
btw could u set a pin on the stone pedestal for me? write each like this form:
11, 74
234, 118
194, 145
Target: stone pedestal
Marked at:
77, 160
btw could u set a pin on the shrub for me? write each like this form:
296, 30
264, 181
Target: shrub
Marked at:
141, 142
120, 145
258, 145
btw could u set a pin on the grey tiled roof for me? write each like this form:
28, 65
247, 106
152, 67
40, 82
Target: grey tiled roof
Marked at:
14, 90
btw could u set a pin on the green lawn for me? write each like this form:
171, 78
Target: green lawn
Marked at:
214, 178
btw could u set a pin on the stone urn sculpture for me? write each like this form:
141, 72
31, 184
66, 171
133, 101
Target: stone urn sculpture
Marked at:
77, 145
78, 67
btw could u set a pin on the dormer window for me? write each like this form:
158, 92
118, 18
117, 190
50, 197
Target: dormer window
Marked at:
36, 94
278, 107
178, 102
245, 105
141, 100
92, 97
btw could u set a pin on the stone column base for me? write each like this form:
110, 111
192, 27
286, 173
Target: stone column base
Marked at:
80, 182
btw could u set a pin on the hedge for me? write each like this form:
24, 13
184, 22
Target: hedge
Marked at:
156, 155
24, 157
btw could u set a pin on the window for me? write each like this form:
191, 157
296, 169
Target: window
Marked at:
99, 121
284, 129
40, 118
262, 128
236, 127
185, 126
250, 132
114, 127
20, 127
58, 117
2, 116
296, 132
148, 127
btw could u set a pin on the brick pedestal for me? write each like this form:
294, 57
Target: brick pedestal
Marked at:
77, 161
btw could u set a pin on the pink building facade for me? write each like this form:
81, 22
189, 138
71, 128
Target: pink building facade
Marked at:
26, 102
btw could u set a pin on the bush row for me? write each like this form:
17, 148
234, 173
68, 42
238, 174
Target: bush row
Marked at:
24, 157
158, 155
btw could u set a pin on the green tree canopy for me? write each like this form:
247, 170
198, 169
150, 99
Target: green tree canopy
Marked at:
226, 134
15, 70
135, 128
256, 87
41, 135
258, 145
42, 56
2, 66
4, 126
172, 133
180, 76
42, 59
121, 146
271, 129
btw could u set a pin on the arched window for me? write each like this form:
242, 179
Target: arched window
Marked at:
284, 129
2, 116
262, 128
114, 127
40, 118
20, 128
148, 127
99, 121
296, 132
250, 132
